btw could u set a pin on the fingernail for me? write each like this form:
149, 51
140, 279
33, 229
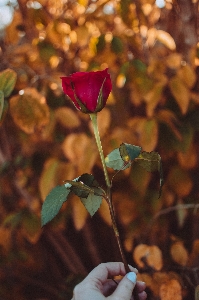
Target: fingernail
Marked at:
132, 277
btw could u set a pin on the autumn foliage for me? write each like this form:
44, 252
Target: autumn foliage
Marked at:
152, 55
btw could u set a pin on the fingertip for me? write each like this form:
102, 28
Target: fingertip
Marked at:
132, 277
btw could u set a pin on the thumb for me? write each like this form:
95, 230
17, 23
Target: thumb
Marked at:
125, 287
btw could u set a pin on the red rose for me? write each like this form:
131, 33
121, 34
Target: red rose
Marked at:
89, 91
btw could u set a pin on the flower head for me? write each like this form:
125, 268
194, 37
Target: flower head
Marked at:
88, 91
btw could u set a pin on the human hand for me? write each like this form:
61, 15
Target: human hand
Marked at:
98, 285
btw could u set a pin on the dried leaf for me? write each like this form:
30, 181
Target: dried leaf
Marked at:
54, 173
180, 181
171, 290
105, 213
187, 75
151, 254
145, 132
153, 97
31, 227
188, 159
29, 111
67, 117
173, 61
81, 151
169, 118
166, 39
180, 93
12, 33
179, 254
79, 213
194, 256
5, 238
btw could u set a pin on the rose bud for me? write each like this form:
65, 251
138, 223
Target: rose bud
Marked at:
88, 91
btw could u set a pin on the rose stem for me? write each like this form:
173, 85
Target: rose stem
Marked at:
109, 195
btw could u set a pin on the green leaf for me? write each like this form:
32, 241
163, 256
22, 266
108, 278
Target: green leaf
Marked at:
115, 161
117, 45
129, 152
101, 43
7, 81
151, 161
79, 188
53, 203
1, 103
92, 203
85, 185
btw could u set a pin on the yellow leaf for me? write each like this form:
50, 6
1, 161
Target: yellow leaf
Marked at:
145, 132
54, 173
105, 213
188, 159
194, 256
81, 150
166, 39
180, 182
187, 75
79, 214
180, 93
179, 254
67, 117
29, 111
153, 97
12, 34
125, 208
152, 255
171, 290
173, 61
120, 81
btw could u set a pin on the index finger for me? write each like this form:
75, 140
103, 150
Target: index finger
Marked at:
106, 270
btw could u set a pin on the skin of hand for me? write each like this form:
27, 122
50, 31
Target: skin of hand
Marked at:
98, 285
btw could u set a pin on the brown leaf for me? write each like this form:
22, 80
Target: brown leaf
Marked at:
5, 238
105, 213
169, 118
145, 132
125, 207
67, 117
29, 111
173, 61
171, 290
166, 39
152, 255
81, 151
180, 181
54, 173
194, 256
188, 159
187, 75
180, 92
153, 97
179, 254
79, 213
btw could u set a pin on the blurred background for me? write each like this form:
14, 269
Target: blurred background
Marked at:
151, 49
